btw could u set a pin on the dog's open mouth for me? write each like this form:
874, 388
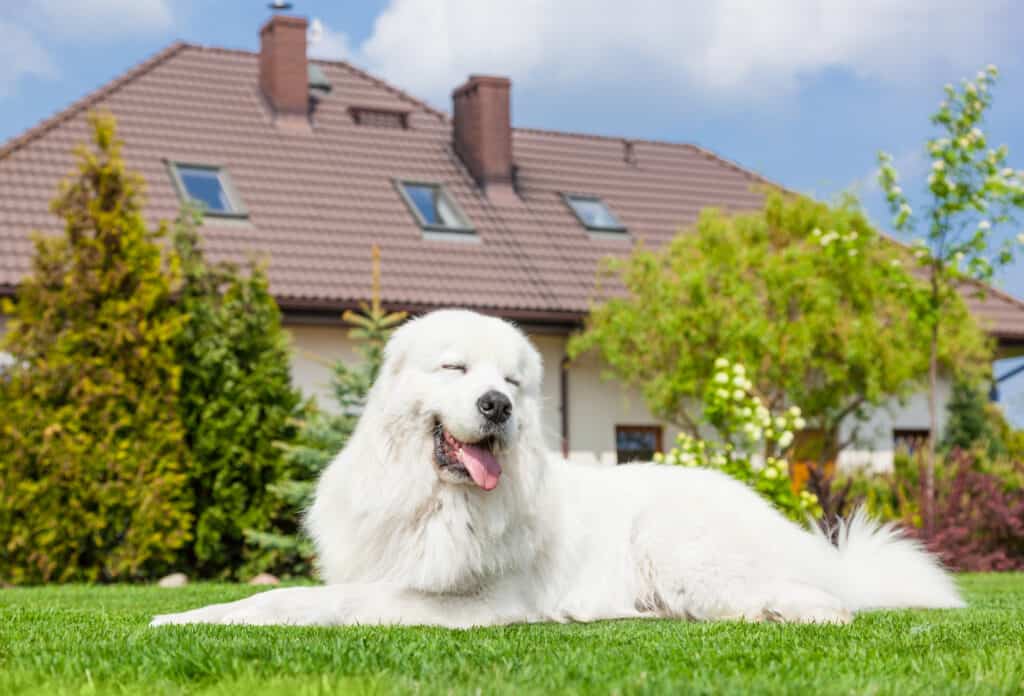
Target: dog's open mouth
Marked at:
474, 461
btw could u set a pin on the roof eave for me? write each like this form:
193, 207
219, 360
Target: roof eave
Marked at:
315, 310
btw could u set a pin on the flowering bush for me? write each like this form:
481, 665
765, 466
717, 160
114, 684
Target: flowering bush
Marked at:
752, 443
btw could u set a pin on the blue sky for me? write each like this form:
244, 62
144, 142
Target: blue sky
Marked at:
803, 91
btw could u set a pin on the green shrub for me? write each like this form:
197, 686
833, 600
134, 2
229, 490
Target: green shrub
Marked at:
237, 403
891, 496
1012, 439
92, 449
897, 495
282, 547
970, 421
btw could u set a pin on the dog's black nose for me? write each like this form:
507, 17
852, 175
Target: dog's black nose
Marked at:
495, 406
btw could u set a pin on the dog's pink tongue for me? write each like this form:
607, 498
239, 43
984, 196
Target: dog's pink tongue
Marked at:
481, 465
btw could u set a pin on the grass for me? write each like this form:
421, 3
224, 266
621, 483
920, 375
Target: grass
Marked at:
94, 640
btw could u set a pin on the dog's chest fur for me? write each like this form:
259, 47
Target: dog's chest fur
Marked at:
452, 541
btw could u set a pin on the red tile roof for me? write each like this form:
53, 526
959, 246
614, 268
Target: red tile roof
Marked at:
318, 201
1000, 312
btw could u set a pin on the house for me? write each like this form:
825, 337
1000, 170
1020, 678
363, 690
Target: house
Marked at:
310, 163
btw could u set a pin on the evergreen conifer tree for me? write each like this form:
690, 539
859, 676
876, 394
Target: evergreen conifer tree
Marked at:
92, 448
237, 402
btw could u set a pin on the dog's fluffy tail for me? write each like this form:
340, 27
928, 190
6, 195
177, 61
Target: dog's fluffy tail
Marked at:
879, 567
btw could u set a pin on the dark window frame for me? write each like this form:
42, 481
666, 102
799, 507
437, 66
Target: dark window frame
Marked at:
913, 438
617, 230
238, 209
465, 228
657, 430
374, 117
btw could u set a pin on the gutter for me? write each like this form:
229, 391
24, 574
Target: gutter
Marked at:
318, 311
563, 401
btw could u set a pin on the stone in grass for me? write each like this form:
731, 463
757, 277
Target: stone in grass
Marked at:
173, 580
265, 579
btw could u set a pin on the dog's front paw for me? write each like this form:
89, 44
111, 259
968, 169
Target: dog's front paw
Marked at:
207, 615
295, 606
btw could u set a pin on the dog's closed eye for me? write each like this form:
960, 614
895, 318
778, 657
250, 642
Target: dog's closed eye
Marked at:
513, 381
457, 367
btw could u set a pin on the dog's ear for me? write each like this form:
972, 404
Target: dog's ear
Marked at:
397, 350
533, 365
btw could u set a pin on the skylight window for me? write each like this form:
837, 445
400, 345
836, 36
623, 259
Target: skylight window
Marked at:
594, 214
433, 207
209, 187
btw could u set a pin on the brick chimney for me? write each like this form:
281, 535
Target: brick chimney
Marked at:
284, 76
483, 132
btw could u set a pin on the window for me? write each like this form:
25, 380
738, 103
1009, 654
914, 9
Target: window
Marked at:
909, 440
210, 187
380, 118
433, 208
636, 443
594, 214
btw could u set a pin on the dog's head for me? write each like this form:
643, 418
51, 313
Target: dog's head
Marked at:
464, 390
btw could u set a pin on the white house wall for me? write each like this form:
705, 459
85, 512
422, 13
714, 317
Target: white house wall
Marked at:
596, 406
314, 349
551, 348
873, 445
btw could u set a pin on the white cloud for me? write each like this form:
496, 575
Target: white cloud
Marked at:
326, 43
103, 18
22, 50
725, 48
21, 56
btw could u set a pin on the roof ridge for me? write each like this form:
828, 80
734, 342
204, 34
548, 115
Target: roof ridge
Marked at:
598, 136
400, 93
45, 126
731, 164
35, 132
703, 151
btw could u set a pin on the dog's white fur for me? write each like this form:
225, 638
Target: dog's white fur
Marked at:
402, 541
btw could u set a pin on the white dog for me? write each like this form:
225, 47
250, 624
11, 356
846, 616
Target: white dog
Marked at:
446, 509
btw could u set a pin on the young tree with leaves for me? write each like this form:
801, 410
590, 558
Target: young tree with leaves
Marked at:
237, 401
808, 296
972, 194
324, 433
92, 448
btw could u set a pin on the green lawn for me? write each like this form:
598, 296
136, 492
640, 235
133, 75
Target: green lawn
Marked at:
71, 640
